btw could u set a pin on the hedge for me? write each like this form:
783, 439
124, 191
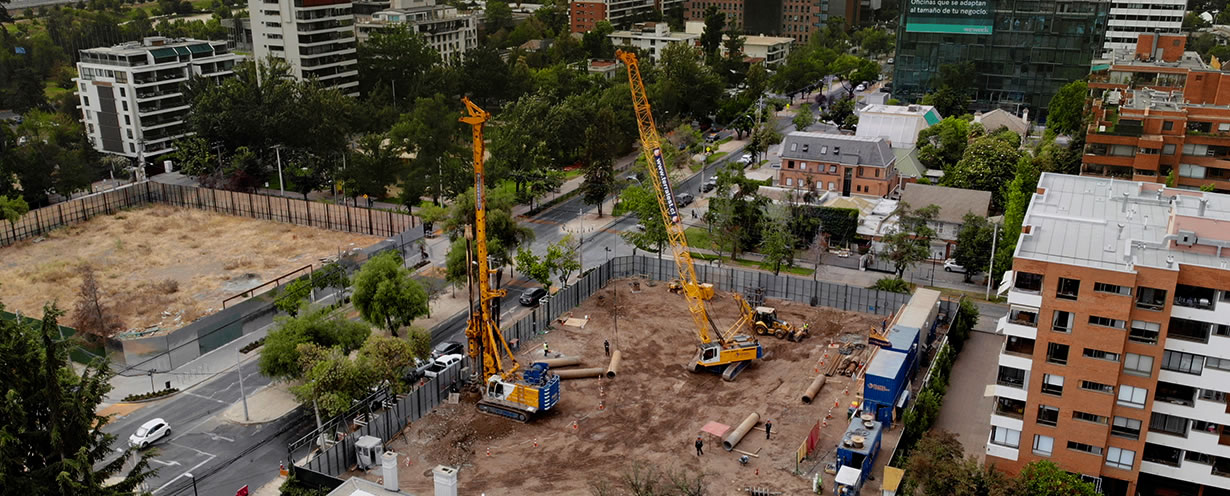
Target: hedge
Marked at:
150, 396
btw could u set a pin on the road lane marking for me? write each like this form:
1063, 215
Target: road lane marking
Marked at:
166, 464
205, 397
215, 437
194, 467
191, 448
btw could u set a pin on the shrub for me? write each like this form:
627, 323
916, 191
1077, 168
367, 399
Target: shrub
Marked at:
892, 285
252, 346
149, 396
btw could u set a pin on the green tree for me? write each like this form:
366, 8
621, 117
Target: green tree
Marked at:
684, 86
599, 156
875, 41
943, 144
973, 245
12, 209
951, 87
373, 168
597, 43
642, 202
53, 437
803, 117
432, 135
280, 358
1044, 478
397, 65
563, 258
497, 15
332, 381
1192, 22
910, 243
938, 465
736, 211
1017, 195
389, 357
534, 267
891, 284
290, 298
711, 36
1066, 112
778, 240
988, 163
386, 295
194, 157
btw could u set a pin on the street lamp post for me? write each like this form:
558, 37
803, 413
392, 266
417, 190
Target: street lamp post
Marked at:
151, 380
281, 184
190, 476
242, 394
991, 268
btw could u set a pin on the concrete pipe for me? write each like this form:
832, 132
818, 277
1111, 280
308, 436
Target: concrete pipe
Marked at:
814, 388
579, 373
613, 368
733, 439
560, 362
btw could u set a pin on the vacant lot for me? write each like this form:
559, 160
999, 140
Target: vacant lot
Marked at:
161, 266
651, 413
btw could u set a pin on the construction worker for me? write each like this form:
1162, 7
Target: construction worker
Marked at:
768, 427
607, 344
546, 349
699, 445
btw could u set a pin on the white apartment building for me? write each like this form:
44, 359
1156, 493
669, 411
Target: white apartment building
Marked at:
314, 37
651, 37
131, 95
899, 124
450, 33
1129, 18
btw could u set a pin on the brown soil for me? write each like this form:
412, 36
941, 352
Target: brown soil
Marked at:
160, 265
650, 414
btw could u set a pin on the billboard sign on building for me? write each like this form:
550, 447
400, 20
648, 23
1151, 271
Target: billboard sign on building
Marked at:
949, 16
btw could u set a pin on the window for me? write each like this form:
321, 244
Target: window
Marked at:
1167, 125
125, 105
1106, 322
1052, 384
1169, 424
1144, 332
832, 169
1097, 387
1168, 149
1057, 353
1048, 415
802, 165
794, 147
1212, 395
1089, 417
1126, 427
1186, 363
122, 92
1043, 445
1011, 377
1120, 458
1189, 330
1138, 364
1093, 450
1150, 298
1132, 396
1005, 437
789, 164
789, 182
1101, 355
1102, 287
1026, 281
1068, 288
127, 121
1197, 457
1202, 426
1062, 322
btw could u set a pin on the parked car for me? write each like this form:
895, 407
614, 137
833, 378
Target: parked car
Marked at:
416, 370
684, 199
709, 185
745, 159
860, 87
439, 364
448, 348
640, 227
531, 297
951, 265
149, 432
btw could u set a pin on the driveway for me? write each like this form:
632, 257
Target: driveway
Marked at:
966, 411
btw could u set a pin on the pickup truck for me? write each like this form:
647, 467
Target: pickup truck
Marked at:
439, 364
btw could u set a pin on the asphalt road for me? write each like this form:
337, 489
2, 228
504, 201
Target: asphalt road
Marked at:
203, 444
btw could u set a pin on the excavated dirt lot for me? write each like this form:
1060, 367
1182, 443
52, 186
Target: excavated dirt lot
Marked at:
650, 413
161, 266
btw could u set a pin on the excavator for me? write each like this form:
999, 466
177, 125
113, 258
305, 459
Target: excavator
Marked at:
505, 393
727, 353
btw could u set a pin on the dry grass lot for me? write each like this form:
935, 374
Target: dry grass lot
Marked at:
650, 413
160, 265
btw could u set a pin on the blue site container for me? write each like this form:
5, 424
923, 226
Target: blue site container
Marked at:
884, 384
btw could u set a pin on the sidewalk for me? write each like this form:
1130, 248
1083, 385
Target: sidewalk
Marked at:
188, 375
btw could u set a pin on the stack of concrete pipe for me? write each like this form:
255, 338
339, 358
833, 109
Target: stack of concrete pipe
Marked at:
737, 435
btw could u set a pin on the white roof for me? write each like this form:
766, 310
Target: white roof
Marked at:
848, 476
1116, 225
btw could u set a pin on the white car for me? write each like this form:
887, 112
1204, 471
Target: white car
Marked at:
860, 87
951, 265
149, 432
441, 363
746, 158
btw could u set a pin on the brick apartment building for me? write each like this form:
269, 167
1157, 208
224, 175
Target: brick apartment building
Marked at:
1156, 109
795, 19
584, 15
1116, 364
851, 165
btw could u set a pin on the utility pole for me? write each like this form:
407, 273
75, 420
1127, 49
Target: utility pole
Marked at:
281, 184
991, 267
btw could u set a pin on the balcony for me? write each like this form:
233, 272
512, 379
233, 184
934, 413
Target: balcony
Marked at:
1011, 408
1002, 452
1022, 347
1176, 394
1195, 297
1009, 327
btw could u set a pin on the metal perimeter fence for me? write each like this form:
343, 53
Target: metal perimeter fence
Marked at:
384, 415
357, 220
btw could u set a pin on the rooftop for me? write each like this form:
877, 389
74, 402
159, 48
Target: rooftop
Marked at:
764, 40
1119, 225
954, 203
150, 44
886, 363
911, 110
838, 148
357, 486
1127, 57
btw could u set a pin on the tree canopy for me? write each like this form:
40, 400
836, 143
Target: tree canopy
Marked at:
386, 295
1066, 112
280, 358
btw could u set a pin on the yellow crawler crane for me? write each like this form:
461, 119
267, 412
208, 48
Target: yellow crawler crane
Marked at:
726, 353
505, 393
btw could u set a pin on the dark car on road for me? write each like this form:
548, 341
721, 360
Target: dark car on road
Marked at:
532, 296
684, 199
709, 185
448, 348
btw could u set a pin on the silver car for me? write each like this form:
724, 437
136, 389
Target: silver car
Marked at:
149, 432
